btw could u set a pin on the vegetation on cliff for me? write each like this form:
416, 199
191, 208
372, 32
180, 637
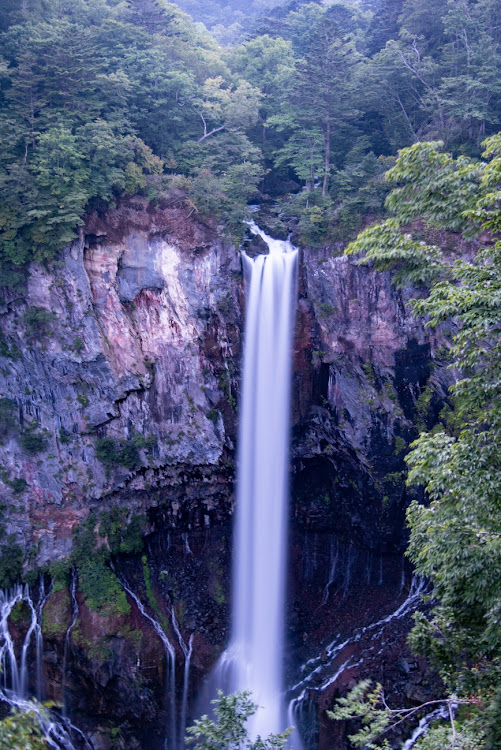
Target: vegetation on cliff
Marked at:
455, 538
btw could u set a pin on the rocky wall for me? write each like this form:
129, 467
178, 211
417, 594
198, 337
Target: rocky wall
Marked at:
141, 344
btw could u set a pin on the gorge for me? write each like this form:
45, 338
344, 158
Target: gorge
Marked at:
164, 414
157, 298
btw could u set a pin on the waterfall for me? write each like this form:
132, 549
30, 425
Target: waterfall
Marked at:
332, 570
42, 601
57, 732
187, 652
253, 660
170, 659
67, 639
320, 672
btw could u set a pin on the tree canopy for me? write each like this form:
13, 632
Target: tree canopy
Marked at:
100, 99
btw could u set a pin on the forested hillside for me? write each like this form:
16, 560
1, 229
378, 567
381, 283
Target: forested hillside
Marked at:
101, 98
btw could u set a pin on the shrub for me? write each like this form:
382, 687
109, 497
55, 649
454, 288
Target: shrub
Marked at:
97, 582
78, 345
114, 452
123, 537
33, 442
7, 415
64, 436
101, 587
38, 321
21, 729
11, 563
18, 485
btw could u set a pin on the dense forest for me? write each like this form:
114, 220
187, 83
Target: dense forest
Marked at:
332, 116
101, 99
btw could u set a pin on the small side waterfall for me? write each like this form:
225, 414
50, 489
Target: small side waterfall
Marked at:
42, 601
254, 659
170, 658
15, 683
318, 673
187, 652
67, 639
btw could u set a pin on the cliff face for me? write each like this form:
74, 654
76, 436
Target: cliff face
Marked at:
144, 349
144, 346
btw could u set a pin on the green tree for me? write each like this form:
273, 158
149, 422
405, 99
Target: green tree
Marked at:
321, 105
20, 730
228, 730
455, 538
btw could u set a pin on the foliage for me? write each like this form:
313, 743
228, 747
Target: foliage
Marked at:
20, 730
123, 537
33, 442
101, 588
115, 452
18, 485
38, 321
228, 731
11, 562
7, 416
60, 573
455, 538
378, 720
101, 99
96, 580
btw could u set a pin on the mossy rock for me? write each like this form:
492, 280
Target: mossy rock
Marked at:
56, 615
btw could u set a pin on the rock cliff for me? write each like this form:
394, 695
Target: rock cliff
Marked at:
120, 381
144, 347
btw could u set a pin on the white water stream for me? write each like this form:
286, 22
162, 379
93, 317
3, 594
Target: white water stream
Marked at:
15, 687
170, 664
254, 658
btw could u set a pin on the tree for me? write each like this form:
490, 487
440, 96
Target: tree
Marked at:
321, 108
269, 65
228, 731
20, 730
455, 537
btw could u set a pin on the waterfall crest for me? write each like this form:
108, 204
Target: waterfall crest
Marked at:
254, 659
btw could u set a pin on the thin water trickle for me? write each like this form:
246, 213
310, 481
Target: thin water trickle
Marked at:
170, 659
254, 659
67, 639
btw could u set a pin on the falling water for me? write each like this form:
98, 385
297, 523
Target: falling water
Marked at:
42, 601
67, 640
254, 658
322, 671
170, 658
187, 652
57, 732
332, 569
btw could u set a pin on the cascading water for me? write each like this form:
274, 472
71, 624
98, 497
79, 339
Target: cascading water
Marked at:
254, 658
67, 639
187, 650
170, 664
322, 671
14, 690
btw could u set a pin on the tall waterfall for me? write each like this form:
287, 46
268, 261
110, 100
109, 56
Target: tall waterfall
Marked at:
254, 658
